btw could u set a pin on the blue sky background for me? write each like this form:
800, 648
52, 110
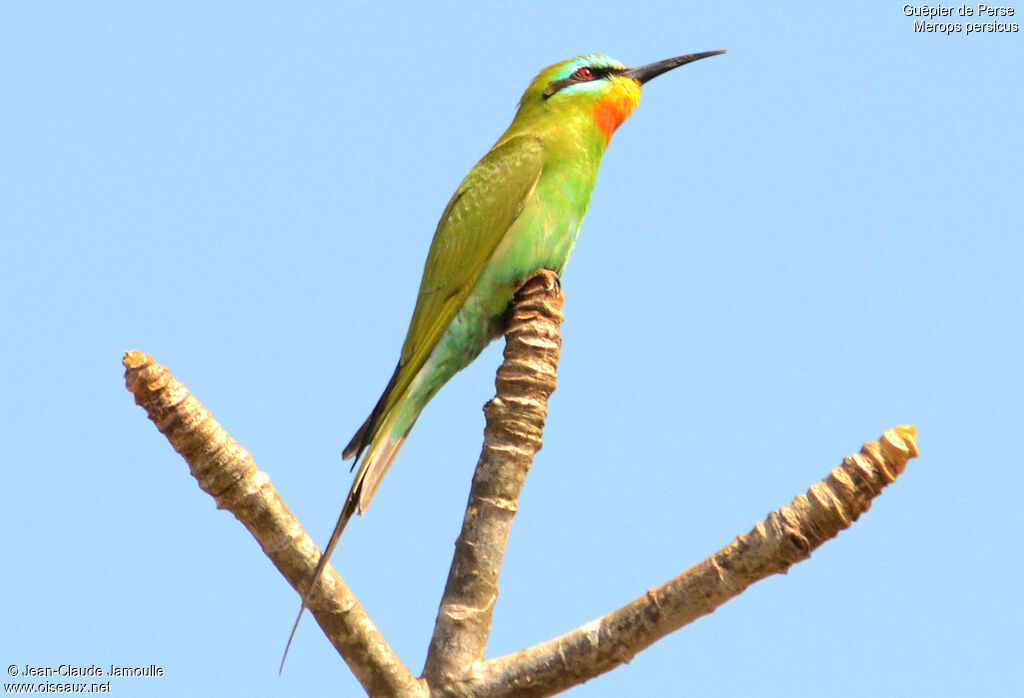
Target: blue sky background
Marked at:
790, 249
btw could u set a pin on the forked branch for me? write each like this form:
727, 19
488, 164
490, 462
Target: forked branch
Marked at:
515, 418
786, 537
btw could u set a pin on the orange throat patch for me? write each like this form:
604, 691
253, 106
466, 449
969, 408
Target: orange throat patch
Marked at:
612, 109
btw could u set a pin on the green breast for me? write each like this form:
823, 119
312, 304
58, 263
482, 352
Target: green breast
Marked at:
544, 234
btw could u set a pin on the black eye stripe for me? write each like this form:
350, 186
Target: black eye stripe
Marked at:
599, 73
596, 74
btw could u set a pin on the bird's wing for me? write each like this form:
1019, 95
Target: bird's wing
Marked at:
479, 214
476, 219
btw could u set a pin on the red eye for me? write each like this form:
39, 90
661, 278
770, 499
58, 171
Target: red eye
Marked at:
585, 73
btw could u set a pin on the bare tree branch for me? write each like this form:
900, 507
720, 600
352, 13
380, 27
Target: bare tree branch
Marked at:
515, 418
227, 473
515, 422
786, 537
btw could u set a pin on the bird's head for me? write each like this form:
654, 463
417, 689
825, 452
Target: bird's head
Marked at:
596, 85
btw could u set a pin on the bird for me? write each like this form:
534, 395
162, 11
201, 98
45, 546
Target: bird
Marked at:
517, 212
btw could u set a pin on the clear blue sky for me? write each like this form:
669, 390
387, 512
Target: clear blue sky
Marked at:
790, 249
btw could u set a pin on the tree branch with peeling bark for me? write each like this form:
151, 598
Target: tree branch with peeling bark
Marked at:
515, 419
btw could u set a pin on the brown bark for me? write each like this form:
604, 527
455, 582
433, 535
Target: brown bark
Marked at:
786, 537
515, 422
228, 473
515, 419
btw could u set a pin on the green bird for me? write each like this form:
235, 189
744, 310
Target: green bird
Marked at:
518, 211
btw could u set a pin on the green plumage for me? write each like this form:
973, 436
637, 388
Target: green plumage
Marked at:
518, 211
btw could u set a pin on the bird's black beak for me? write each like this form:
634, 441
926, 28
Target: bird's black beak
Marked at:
653, 70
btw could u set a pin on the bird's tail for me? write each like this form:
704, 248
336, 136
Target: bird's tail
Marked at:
346, 514
380, 454
379, 457
377, 440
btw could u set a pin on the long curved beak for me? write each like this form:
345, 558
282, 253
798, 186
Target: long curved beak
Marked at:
653, 70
